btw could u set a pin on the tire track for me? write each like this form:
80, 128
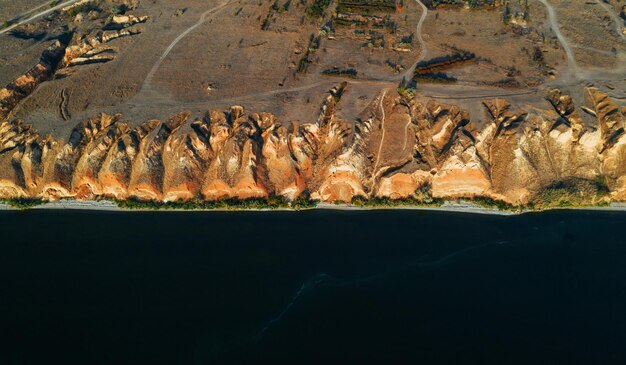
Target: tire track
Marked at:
554, 24
406, 132
63, 109
382, 138
148, 81
487, 96
38, 15
420, 39
616, 19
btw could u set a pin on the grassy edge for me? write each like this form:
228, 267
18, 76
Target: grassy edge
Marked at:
23, 203
272, 202
383, 202
304, 202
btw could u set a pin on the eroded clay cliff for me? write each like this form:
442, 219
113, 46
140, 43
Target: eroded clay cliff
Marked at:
400, 148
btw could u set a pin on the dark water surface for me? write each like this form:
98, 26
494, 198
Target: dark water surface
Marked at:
392, 287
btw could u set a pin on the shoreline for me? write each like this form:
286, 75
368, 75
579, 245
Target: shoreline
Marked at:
448, 206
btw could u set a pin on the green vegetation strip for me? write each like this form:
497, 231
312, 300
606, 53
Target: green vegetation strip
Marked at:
570, 193
274, 202
385, 202
573, 193
317, 9
23, 203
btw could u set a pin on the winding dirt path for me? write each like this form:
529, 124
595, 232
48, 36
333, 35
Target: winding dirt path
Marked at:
423, 50
483, 96
29, 11
595, 50
382, 138
616, 19
406, 132
38, 15
148, 81
554, 24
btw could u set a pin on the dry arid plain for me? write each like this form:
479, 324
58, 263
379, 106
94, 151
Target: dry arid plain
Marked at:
510, 103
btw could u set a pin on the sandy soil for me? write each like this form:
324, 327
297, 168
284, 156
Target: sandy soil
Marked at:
196, 55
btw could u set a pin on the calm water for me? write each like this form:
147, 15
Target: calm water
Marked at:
312, 287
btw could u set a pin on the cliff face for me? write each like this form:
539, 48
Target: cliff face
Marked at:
24, 85
399, 149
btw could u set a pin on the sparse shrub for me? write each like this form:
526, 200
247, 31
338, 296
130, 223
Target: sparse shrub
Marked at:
573, 192
82, 8
271, 202
490, 203
317, 9
23, 203
407, 93
422, 198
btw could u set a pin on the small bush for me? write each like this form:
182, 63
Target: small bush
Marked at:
271, 202
490, 203
407, 93
317, 9
386, 202
82, 8
573, 193
119, 9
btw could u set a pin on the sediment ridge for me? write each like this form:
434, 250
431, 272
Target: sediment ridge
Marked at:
518, 157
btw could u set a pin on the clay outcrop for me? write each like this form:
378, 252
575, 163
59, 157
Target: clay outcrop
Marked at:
513, 156
25, 84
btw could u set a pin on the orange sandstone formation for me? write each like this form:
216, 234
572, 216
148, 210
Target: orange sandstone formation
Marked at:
398, 149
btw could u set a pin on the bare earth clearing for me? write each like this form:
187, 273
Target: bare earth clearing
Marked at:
424, 99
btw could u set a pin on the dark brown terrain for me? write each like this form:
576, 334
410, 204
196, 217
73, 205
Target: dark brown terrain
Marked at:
512, 101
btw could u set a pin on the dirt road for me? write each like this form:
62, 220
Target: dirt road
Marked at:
423, 50
554, 24
37, 15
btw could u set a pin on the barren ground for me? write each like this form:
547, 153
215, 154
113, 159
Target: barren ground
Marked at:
196, 55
